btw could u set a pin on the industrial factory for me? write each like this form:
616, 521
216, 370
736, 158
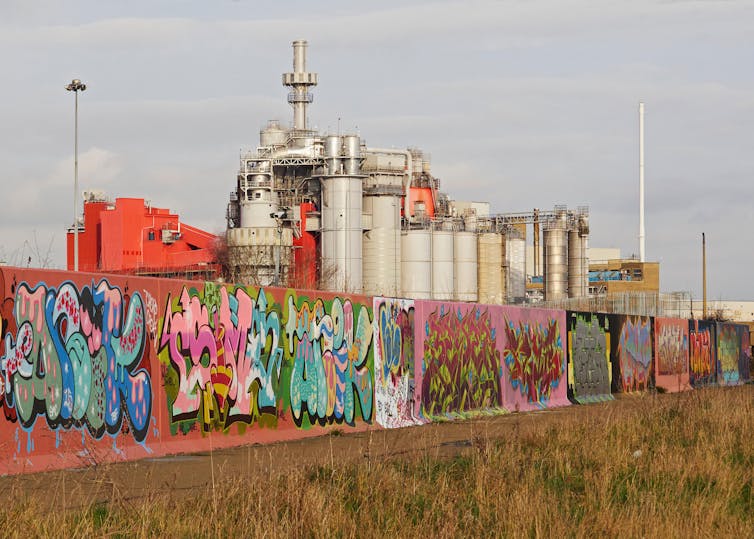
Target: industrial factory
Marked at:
329, 211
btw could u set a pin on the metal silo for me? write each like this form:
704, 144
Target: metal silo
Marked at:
416, 263
555, 258
352, 154
578, 261
442, 262
273, 135
465, 266
575, 265
341, 233
490, 271
515, 261
333, 151
382, 246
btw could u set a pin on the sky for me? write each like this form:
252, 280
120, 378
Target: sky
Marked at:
524, 104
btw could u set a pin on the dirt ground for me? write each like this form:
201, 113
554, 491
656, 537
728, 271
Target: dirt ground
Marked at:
186, 475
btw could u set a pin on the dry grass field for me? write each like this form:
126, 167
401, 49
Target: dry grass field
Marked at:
678, 465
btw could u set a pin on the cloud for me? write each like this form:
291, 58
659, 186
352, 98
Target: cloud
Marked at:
523, 104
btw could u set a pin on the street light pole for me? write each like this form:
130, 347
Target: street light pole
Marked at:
76, 86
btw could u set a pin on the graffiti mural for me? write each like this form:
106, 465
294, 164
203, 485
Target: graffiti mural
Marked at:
589, 365
223, 355
534, 358
75, 358
745, 361
733, 354
394, 383
702, 353
332, 374
631, 350
461, 360
671, 354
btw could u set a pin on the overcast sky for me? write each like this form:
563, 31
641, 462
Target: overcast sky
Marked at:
520, 103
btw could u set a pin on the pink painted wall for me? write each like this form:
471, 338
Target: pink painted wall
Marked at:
457, 359
534, 372
671, 354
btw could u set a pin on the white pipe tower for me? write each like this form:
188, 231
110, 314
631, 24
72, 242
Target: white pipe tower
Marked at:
300, 81
641, 181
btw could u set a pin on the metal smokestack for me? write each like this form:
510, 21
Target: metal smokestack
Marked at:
299, 81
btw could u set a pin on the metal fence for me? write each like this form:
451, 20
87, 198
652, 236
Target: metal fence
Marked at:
674, 305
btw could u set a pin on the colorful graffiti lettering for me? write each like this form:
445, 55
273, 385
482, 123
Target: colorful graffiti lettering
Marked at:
461, 362
394, 362
331, 372
590, 366
728, 352
76, 359
701, 354
672, 347
635, 353
534, 357
150, 309
224, 349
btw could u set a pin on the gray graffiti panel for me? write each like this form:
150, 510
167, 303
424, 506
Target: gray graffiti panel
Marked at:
589, 370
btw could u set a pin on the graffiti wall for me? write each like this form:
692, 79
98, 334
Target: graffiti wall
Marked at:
460, 359
534, 358
238, 358
631, 352
702, 353
96, 369
77, 383
589, 364
671, 354
394, 363
100, 369
733, 353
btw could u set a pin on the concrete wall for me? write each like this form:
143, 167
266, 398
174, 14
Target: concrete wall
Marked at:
671, 354
589, 364
101, 368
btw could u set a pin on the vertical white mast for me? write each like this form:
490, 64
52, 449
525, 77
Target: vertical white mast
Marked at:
641, 181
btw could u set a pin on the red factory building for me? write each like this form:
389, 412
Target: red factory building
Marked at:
131, 236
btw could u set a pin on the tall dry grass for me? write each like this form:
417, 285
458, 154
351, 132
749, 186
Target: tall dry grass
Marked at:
665, 466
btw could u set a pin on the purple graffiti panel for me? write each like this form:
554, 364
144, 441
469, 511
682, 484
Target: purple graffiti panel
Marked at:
631, 349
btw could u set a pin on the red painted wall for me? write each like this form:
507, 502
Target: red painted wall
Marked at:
107, 368
127, 235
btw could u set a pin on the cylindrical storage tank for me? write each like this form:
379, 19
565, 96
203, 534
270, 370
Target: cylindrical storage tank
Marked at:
490, 271
577, 280
465, 266
555, 267
585, 261
273, 135
257, 208
443, 265
470, 222
341, 234
416, 264
382, 247
515, 261
260, 256
333, 144
352, 152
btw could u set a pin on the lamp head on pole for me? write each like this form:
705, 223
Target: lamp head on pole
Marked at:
75, 86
